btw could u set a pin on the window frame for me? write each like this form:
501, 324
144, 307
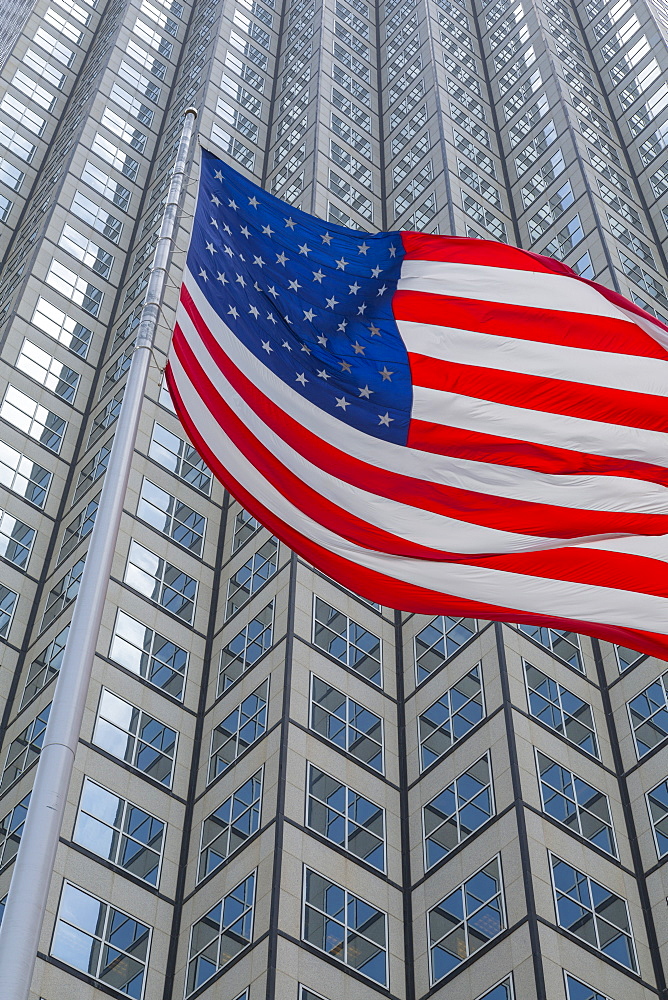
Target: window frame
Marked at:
347, 820
349, 643
200, 878
557, 733
455, 741
615, 847
488, 755
136, 740
221, 903
347, 724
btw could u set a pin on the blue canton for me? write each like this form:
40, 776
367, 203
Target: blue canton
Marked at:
311, 300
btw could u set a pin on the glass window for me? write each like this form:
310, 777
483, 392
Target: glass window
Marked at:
11, 175
86, 251
45, 666
120, 832
345, 927
79, 528
48, 371
23, 476
177, 455
591, 912
171, 517
247, 646
75, 288
131, 104
33, 419
465, 920
230, 826
657, 802
50, 44
115, 157
627, 658
101, 941
561, 710
92, 471
578, 990
40, 96
106, 417
63, 25
43, 68
576, 804
346, 724
21, 114
123, 130
16, 143
25, 749
218, 936
345, 817
458, 811
346, 641
161, 582
16, 540
150, 655
451, 717
154, 38
239, 730
11, 829
64, 592
502, 991
245, 527
252, 575
61, 327
648, 712
440, 640
96, 217
305, 994
110, 189
129, 734
8, 601
146, 59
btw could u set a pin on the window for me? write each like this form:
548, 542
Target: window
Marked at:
345, 927
92, 471
591, 912
22, 476
502, 991
106, 417
346, 641
648, 712
64, 592
627, 658
466, 920
561, 710
11, 175
565, 645
114, 156
239, 730
6, 205
25, 85
123, 130
21, 114
43, 68
440, 640
349, 194
177, 455
161, 582
96, 217
345, 817
218, 936
150, 655
245, 527
16, 143
129, 734
346, 724
63, 25
50, 44
241, 652
237, 149
78, 290
154, 39
451, 717
33, 419
57, 324
458, 811
49, 372
130, 104
630, 240
25, 749
229, 827
120, 832
146, 59
11, 829
580, 991
657, 803
483, 216
141, 83
644, 279
16, 540
86, 251
171, 517
101, 941
45, 666
251, 576
575, 803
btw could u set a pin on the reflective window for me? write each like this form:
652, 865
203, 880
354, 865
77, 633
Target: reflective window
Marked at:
249, 578
230, 826
45, 666
218, 936
101, 941
75, 288
345, 817
11, 829
64, 592
150, 655
465, 920
39, 65
565, 645
657, 802
458, 811
245, 527
123, 130
8, 601
129, 734
63, 328
92, 471
33, 419
502, 991
16, 143
25, 749
50, 44
16, 540
120, 832
239, 730
115, 157
346, 641
21, 114
346, 724
648, 712
451, 717
23, 476
161, 582
63, 25
96, 217
171, 517
345, 927
576, 804
79, 528
561, 710
578, 990
86, 251
440, 640
110, 189
591, 912
305, 994
627, 658
48, 371
241, 652
177, 455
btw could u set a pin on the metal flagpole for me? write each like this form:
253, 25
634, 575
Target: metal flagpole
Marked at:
33, 868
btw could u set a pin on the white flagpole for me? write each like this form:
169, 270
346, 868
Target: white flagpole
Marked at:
33, 868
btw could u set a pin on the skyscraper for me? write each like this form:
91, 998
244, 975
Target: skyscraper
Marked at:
284, 791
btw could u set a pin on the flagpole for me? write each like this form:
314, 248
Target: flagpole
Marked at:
34, 864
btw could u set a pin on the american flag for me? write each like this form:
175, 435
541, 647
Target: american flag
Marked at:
443, 425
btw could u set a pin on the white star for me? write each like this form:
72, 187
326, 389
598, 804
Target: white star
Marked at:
318, 275
387, 376
256, 287
358, 348
272, 291
393, 251
342, 325
309, 314
227, 229
215, 200
341, 264
303, 248
290, 223
345, 366
203, 274
267, 230
271, 318
222, 278
210, 247
354, 289
245, 231
302, 378
342, 402
254, 311
375, 271
362, 248
281, 258
232, 203
365, 392
241, 257
286, 345
382, 289
266, 346
386, 420
322, 339
214, 222
288, 320
241, 280
375, 332
361, 309
331, 302
253, 201
326, 239
218, 174
229, 251
306, 349
294, 285
323, 374
232, 311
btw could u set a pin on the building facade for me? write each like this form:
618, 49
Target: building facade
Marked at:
283, 791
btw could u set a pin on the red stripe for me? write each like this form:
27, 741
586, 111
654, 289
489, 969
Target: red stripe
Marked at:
544, 326
393, 593
620, 407
544, 520
477, 447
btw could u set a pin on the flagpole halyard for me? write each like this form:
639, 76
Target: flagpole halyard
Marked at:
33, 867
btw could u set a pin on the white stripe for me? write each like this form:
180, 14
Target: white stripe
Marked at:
552, 429
532, 289
576, 492
528, 357
551, 598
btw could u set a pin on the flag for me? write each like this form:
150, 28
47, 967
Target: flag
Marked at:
444, 425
